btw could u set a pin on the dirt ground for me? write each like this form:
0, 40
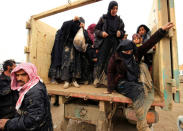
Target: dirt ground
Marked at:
167, 120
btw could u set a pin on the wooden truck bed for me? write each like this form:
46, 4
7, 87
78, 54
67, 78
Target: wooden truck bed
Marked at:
90, 92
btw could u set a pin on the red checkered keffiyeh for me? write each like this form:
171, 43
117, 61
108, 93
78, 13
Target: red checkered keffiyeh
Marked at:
31, 70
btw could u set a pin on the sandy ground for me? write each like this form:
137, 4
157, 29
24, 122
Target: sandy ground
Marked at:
167, 120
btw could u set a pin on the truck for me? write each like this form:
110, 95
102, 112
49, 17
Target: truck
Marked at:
90, 104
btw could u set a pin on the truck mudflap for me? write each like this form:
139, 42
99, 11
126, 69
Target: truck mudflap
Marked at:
152, 116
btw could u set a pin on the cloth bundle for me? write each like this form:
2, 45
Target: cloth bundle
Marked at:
79, 41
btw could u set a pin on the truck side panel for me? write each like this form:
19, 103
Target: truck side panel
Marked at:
40, 45
174, 52
165, 66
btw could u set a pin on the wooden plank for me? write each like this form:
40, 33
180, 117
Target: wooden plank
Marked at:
165, 72
153, 25
42, 38
64, 121
31, 57
90, 92
28, 42
102, 106
63, 8
162, 69
174, 51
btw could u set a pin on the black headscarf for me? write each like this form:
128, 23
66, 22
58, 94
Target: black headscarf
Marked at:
81, 20
111, 5
146, 36
129, 60
145, 27
78, 22
112, 21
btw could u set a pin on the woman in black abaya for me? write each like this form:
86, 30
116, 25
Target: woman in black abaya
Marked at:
109, 30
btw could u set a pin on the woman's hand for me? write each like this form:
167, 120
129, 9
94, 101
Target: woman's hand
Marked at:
76, 18
104, 34
94, 59
118, 34
82, 25
167, 26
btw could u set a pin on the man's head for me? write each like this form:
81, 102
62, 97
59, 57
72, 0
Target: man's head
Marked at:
24, 74
21, 77
8, 66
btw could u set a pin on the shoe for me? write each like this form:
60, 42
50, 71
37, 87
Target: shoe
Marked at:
75, 84
53, 82
96, 82
66, 85
56, 104
86, 83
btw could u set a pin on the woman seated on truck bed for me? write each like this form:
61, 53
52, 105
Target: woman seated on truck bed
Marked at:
124, 71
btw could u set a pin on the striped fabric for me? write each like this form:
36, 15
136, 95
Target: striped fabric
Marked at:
31, 70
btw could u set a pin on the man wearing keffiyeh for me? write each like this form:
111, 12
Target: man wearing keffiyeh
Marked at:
33, 105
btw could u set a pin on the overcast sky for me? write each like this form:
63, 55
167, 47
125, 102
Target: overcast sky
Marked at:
15, 13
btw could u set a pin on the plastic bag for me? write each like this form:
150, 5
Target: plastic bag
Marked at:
79, 41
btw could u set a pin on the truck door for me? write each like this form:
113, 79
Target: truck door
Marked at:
165, 63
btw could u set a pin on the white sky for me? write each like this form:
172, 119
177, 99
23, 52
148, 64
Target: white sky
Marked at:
15, 13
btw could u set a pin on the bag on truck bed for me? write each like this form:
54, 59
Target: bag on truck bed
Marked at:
79, 41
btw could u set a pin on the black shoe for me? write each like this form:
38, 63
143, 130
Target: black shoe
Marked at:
56, 104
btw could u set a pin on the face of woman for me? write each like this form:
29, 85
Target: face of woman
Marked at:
128, 52
114, 11
142, 31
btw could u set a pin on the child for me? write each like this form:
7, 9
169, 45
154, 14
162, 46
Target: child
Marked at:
145, 32
137, 39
